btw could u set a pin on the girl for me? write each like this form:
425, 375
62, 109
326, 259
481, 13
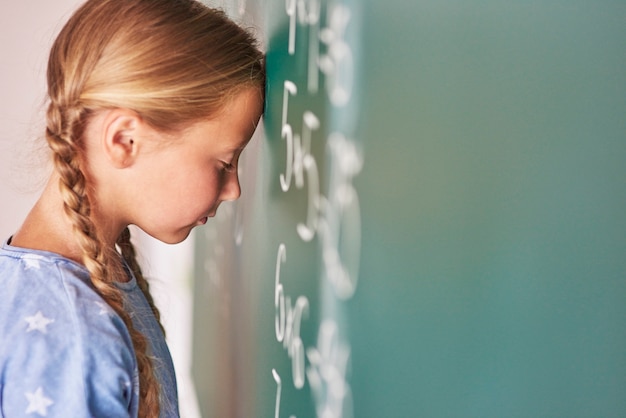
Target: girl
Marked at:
151, 102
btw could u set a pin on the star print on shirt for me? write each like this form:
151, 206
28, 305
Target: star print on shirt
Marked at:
32, 262
38, 322
104, 308
37, 402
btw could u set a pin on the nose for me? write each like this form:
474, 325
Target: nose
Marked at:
231, 189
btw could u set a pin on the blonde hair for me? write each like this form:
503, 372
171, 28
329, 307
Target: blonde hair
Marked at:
173, 62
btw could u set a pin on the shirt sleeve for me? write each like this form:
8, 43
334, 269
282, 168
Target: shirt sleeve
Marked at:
68, 355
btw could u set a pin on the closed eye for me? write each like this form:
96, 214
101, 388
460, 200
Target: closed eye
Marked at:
228, 167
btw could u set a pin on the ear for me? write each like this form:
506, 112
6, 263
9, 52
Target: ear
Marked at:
120, 137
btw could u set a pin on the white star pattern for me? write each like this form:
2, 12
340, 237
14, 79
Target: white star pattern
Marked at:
32, 262
104, 308
38, 322
37, 402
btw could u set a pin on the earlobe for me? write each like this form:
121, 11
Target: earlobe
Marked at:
119, 137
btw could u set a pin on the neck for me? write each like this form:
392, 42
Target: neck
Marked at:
48, 228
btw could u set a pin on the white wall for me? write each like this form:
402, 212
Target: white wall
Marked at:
27, 30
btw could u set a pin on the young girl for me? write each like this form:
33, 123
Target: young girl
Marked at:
151, 103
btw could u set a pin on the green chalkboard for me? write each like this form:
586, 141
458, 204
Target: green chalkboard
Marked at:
433, 219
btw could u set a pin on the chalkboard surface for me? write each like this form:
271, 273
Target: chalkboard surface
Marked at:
433, 219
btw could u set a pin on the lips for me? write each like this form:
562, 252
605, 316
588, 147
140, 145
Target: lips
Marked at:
205, 219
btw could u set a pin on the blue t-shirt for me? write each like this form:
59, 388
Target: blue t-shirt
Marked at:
63, 351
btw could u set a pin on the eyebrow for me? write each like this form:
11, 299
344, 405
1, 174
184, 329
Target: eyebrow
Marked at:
242, 145
235, 150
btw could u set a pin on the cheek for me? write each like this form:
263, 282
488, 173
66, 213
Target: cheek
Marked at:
205, 184
181, 188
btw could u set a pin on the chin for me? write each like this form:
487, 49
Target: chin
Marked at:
178, 238
174, 240
171, 238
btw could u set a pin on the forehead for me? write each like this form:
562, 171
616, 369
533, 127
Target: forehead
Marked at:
234, 125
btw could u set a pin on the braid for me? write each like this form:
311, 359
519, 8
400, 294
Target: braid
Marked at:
130, 256
103, 266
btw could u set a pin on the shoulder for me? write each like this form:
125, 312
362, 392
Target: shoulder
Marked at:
67, 345
47, 293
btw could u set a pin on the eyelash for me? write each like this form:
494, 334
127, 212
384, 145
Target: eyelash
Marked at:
228, 167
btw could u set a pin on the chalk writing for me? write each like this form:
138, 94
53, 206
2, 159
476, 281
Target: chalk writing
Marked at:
287, 319
337, 64
307, 230
290, 6
242, 7
302, 145
278, 390
329, 361
287, 134
333, 212
313, 20
340, 224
